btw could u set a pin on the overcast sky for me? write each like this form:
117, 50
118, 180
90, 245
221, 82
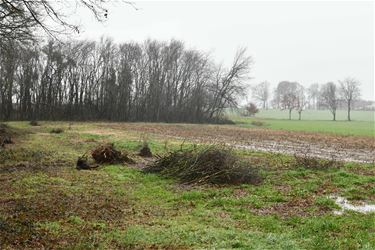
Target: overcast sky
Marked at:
298, 41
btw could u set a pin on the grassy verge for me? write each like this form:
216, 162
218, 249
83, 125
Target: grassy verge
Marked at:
116, 206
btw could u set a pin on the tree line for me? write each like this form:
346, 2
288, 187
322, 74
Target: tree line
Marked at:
293, 96
87, 80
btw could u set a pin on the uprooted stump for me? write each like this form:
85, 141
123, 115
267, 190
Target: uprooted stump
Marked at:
34, 123
145, 151
83, 164
108, 154
56, 131
5, 139
210, 165
5, 135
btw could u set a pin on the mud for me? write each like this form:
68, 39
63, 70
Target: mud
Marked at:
326, 146
344, 204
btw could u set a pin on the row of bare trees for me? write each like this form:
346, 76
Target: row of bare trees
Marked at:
293, 96
290, 96
150, 81
330, 95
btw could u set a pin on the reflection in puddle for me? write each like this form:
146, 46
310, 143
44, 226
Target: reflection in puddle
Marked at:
345, 205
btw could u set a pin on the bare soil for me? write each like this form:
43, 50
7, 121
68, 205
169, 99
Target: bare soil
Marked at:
346, 148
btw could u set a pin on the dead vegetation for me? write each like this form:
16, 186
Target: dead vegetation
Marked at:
145, 151
5, 139
56, 131
6, 134
34, 166
304, 158
83, 164
316, 163
257, 123
208, 165
295, 207
34, 123
108, 154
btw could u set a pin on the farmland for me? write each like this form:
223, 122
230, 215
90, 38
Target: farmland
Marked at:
362, 124
137, 125
47, 203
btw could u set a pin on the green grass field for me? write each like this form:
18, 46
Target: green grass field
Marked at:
362, 123
46, 203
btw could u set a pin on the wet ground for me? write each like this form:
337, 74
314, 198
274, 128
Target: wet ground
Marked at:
344, 204
329, 146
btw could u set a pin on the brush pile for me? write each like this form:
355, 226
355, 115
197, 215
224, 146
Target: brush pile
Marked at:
257, 123
34, 123
56, 131
145, 151
311, 162
209, 165
5, 135
108, 154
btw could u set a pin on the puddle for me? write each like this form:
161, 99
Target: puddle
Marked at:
315, 151
345, 205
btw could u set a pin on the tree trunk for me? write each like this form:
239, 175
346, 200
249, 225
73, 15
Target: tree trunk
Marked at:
299, 115
290, 114
349, 111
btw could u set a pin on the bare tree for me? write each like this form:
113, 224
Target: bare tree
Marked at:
286, 96
349, 91
228, 85
251, 109
15, 22
260, 92
329, 98
313, 95
20, 18
301, 100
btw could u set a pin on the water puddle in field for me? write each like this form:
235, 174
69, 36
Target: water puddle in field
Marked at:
324, 153
344, 204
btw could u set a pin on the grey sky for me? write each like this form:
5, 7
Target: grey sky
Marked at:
299, 41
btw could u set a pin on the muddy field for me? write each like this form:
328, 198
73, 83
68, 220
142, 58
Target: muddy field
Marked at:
347, 148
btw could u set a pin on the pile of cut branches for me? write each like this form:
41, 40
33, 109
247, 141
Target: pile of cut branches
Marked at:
56, 131
145, 151
5, 135
304, 158
34, 123
207, 165
311, 162
108, 154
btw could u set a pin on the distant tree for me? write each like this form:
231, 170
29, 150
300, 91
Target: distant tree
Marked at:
313, 95
301, 100
251, 109
260, 92
229, 84
349, 91
286, 96
329, 98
